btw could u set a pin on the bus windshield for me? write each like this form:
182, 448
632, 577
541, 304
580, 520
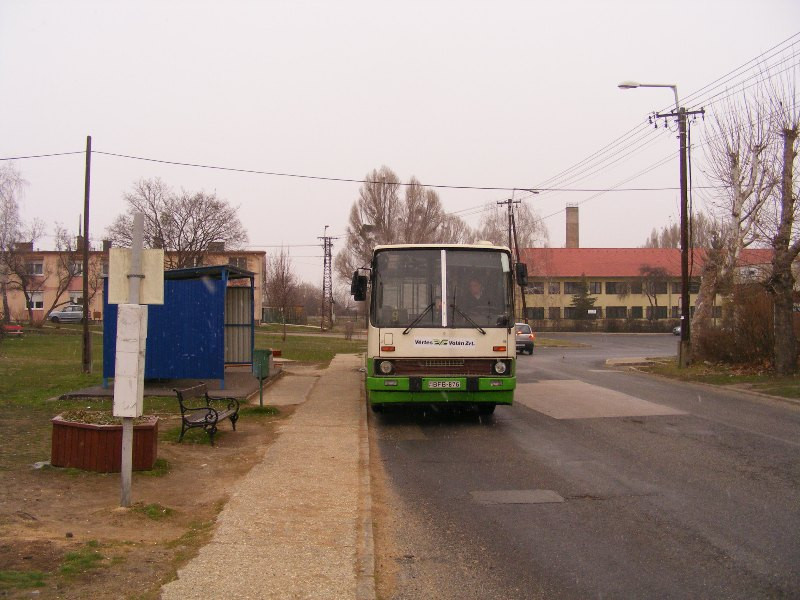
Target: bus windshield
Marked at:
408, 284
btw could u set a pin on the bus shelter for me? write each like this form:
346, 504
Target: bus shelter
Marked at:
206, 322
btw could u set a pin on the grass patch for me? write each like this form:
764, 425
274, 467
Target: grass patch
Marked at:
309, 348
83, 560
753, 377
21, 580
543, 342
192, 436
160, 468
39, 367
154, 511
259, 411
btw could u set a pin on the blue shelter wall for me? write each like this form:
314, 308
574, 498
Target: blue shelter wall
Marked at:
185, 335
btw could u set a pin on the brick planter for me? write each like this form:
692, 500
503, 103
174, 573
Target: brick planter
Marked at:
99, 447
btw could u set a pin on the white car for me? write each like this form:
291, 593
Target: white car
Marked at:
72, 313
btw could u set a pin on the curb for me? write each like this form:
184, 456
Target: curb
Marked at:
365, 561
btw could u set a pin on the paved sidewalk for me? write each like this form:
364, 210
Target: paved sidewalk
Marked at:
298, 525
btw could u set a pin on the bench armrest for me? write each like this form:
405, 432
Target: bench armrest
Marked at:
233, 403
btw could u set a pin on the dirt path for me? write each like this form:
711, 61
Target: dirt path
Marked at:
52, 520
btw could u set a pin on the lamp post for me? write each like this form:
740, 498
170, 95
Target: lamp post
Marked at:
683, 346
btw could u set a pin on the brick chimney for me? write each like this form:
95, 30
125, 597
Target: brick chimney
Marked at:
573, 239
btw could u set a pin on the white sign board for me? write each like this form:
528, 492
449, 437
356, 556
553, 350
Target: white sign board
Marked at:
129, 362
119, 266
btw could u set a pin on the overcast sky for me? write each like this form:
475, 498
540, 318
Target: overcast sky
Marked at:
485, 94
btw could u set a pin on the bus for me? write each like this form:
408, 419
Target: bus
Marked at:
441, 325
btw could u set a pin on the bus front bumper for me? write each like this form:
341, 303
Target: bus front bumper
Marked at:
436, 390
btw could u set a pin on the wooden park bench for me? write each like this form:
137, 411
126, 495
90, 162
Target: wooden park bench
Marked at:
12, 330
198, 410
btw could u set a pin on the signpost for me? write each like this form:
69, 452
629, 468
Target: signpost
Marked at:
143, 273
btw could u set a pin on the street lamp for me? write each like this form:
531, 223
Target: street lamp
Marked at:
683, 347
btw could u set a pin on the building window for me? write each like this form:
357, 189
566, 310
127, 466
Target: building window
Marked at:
694, 287
675, 312
37, 300
636, 312
656, 312
36, 268
570, 312
613, 287
659, 287
595, 287
554, 287
616, 312
75, 268
716, 312
105, 268
636, 287
535, 287
554, 312
76, 297
535, 312
239, 262
572, 287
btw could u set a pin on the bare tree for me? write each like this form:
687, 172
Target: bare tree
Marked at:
531, 230
654, 282
21, 273
739, 156
11, 185
784, 236
702, 227
380, 216
183, 224
280, 284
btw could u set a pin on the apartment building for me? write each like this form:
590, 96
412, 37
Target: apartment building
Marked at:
626, 283
53, 278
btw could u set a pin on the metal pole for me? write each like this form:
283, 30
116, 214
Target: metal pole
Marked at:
134, 284
87, 341
684, 350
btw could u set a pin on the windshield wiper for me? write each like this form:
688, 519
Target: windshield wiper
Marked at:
463, 314
419, 318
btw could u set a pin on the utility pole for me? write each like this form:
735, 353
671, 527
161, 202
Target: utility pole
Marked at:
684, 348
327, 281
87, 341
514, 247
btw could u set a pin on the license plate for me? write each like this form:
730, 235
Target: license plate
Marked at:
438, 385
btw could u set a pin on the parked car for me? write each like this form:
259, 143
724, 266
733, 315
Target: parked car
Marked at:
526, 338
676, 330
72, 313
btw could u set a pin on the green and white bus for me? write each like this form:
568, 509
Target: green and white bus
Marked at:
441, 325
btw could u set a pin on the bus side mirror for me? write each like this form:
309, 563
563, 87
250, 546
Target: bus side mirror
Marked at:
521, 273
358, 287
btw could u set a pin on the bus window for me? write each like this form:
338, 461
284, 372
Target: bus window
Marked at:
478, 290
407, 284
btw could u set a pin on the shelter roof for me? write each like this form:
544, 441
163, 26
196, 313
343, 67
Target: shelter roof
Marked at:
210, 271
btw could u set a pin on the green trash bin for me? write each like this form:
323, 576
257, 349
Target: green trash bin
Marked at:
261, 362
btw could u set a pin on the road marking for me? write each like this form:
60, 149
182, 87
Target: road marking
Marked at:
571, 399
516, 497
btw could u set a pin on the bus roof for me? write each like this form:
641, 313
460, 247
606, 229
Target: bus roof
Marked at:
476, 246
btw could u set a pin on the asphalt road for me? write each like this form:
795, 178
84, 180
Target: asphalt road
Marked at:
597, 483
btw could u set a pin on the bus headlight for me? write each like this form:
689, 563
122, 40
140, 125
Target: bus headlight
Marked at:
500, 367
385, 367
